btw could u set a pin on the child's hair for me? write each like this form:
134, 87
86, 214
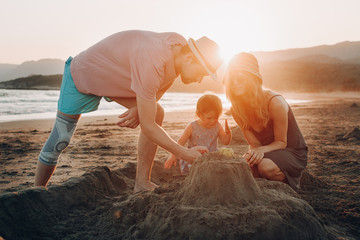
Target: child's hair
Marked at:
207, 103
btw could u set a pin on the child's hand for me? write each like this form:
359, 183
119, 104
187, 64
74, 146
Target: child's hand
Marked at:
225, 133
170, 162
227, 128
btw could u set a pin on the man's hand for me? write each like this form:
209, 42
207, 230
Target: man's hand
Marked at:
193, 153
129, 119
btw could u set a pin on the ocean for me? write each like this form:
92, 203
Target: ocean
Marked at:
42, 104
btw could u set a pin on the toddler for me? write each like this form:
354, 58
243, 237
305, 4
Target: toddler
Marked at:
204, 131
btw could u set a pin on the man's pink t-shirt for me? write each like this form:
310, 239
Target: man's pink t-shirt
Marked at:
127, 64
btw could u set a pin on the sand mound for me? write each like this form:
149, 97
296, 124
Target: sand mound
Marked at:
354, 105
218, 200
72, 209
309, 183
353, 134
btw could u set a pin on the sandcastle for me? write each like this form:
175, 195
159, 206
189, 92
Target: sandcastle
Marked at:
220, 199
219, 179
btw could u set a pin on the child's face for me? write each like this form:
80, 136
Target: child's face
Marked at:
209, 119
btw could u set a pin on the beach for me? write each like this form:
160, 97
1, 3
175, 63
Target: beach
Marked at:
331, 185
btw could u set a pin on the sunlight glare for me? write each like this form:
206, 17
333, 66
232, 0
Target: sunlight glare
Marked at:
235, 27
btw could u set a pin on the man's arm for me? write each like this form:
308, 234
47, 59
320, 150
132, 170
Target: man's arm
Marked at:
147, 115
125, 102
162, 91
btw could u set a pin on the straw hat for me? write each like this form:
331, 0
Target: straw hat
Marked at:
207, 52
245, 62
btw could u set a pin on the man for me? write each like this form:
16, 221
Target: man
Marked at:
133, 68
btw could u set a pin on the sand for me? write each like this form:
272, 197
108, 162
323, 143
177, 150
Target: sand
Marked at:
90, 195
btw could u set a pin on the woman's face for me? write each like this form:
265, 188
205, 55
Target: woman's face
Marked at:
240, 82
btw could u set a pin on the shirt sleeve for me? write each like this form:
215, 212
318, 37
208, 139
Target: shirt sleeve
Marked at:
147, 73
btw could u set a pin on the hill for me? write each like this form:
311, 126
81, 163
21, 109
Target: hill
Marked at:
348, 51
302, 75
35, 82
40, 67
5, 68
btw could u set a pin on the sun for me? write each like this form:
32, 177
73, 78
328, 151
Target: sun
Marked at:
226, 54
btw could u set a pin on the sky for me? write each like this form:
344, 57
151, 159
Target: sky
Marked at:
37, 29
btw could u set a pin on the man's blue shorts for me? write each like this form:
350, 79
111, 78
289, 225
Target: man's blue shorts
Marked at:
71, 101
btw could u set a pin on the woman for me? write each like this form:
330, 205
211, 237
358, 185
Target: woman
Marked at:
277, 149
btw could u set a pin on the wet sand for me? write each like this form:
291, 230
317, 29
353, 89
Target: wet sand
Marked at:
90, 195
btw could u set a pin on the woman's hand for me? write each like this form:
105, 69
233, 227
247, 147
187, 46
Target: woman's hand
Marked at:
254, 156
129, 119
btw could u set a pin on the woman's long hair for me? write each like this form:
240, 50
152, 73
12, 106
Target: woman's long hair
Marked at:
251, 106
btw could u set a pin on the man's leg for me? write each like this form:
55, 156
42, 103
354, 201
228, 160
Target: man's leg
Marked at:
58, 140
146, 154
43, 174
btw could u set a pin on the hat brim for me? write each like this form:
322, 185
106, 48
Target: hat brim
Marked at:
253, 73
192, 47
247, 70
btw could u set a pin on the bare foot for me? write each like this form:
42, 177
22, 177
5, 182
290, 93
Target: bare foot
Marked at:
146, 186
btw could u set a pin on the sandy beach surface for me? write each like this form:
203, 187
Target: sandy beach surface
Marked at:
90, 195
